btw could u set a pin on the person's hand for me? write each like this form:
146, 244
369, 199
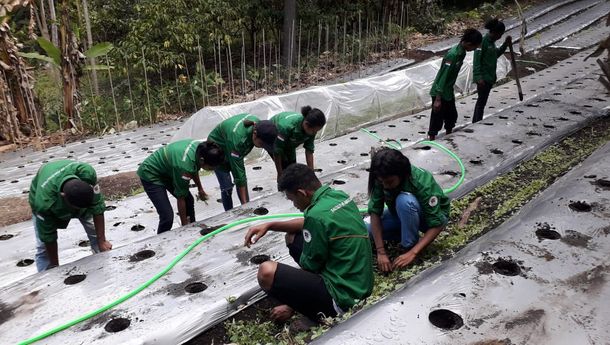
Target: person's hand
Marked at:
281, 313
383, 263
508, 40
404, 260
203, 196
437, 105
105, 246
255, 233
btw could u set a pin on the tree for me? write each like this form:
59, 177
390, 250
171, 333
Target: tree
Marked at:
288, 32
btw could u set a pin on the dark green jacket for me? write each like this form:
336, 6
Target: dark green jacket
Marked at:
291, 134
337, 246
448, 73
48, 206
432, 200
173, 165
486, 60
236, 141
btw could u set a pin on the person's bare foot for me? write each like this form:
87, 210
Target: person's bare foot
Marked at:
281, 313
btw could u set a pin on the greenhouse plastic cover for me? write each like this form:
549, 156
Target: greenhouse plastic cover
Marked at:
559, 293
346, 105
166, 314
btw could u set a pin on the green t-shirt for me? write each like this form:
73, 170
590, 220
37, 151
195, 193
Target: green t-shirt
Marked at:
173, 165
291, 134
432, 200
486, 60
337, 246
236, 141
49, 207
448, 73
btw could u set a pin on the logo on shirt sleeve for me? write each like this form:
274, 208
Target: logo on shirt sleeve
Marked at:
306, 235
433, 201
96, 189
234, 154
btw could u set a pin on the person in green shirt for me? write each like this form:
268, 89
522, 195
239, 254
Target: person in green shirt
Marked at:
60, 191
443, 98
237, 136
415, 203
330, 244
485, 64
170, 169
294, 129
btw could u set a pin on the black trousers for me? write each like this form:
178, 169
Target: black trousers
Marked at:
446, 116
483, 96
158, 195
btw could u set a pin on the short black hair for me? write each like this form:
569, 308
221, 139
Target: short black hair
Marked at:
495, 25
388, 162
472, 36
314, 117
209, 153
78, 193
298, 176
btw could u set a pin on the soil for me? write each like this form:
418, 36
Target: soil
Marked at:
590, 281
532, 316
576, 239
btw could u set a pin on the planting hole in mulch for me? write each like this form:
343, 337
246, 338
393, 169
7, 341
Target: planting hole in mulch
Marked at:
257, 189
373, 131
506, 268
406, 120
503, 117
219, 201
404, 139
259, 259
195, 287
14, 181
547, 234
519, 111
496, 151
341, 162
142, 255
24, 262
117, 224
476, 162
533, 133
468, 130
580, 206
110, 207
548, 126
117, 325
422, 132
590, 176
364, 154
137, 227
353, 138
338, 182
75, 279
261, 211
391, 126
488, 123
563, 119
450, 173
317, 170
574, 112
445, 319
333, 144
517, 141
83, 243
603, 183
6, 237
425, 148
207, 229
256, 168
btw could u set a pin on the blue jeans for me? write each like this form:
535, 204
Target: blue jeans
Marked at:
226, 188
158, 195
405, 225
42, 258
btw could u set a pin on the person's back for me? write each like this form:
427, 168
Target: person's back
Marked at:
338, 247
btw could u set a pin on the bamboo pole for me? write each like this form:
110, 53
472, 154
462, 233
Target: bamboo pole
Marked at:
133, 112
161, 83
188, 80
204, 84
146, 85
116, 111
299, 58
177, 87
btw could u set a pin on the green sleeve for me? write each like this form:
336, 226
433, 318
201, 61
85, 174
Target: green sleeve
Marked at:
309, 144
502, 49
180, 182
476, 65
280, 145
315, 252
442, 76
238, 170
47, 231
376, 201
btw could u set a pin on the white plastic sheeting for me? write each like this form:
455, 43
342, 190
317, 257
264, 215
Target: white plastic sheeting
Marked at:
557, 294
346, 105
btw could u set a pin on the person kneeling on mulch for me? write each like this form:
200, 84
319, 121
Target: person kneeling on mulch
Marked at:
330, 243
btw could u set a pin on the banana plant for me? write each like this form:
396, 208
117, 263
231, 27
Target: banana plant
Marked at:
53, 54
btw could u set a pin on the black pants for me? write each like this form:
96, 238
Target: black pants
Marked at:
446, 116
302, 290
158, 195
483, 95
